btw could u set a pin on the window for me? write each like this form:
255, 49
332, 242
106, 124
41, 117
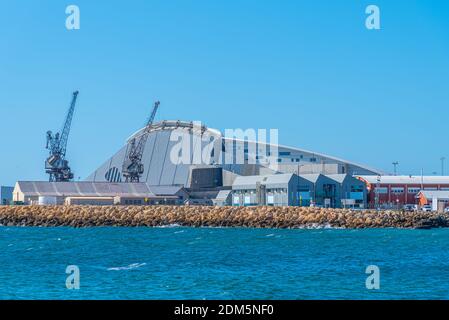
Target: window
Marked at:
397, 190
312, 159
284, 153
413, 190
381, 190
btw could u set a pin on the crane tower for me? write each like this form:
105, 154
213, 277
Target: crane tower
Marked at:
56, 165
132, 165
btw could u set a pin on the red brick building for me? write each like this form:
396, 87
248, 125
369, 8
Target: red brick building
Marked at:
395, 191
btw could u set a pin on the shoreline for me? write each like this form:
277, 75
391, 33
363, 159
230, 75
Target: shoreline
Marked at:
205, 216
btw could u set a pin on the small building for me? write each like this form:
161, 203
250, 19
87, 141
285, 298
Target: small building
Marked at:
324, 190
350, 192
396, 191
270, 190
332, 191
5, 195
438, 199
98, 193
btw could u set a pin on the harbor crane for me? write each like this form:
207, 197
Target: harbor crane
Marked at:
56, 165
132, 165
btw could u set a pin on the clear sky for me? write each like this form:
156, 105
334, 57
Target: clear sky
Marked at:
308, 68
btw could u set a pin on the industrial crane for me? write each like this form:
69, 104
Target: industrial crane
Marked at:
132, 165
56, 165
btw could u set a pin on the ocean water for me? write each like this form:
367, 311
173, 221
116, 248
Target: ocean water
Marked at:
222, 263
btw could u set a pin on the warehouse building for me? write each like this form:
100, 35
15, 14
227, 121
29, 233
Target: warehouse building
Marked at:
205, 162
96, 193
304, 190
396, 191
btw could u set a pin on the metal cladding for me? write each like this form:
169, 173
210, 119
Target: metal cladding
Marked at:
163, 142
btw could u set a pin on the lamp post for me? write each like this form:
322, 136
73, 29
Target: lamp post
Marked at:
395, 164
442, 165
376, 191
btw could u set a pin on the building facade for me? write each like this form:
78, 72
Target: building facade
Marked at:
97, 193
332, 191
178, 152
396, 191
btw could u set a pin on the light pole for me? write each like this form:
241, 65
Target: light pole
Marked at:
376, 192
442, 165
395, 164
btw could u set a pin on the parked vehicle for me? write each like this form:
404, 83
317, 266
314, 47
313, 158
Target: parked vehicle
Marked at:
426, 208
409, 207
446, 210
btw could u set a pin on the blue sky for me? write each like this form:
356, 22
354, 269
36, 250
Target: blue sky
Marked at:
309, 68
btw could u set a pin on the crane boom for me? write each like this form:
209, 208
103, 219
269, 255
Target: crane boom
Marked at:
132, 165
67, 125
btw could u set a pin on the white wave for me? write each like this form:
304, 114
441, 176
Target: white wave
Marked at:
173, 225
128, 267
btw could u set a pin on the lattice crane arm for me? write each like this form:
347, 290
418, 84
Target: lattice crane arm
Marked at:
67, 125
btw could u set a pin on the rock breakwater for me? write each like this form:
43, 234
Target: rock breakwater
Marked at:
204, 216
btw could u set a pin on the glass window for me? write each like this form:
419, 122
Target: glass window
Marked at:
381, 190
397, 190
413, 190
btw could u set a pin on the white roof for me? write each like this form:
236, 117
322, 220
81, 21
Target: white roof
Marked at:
372, 179
340, 178
93, 189
312, 177
440, 194
242, 182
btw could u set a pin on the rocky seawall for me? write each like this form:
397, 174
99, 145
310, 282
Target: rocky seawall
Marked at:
203, 216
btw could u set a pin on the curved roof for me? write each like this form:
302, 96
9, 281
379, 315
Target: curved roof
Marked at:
196, 126
193, 126
375, 171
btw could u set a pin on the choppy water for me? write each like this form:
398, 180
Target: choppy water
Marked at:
221, 263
